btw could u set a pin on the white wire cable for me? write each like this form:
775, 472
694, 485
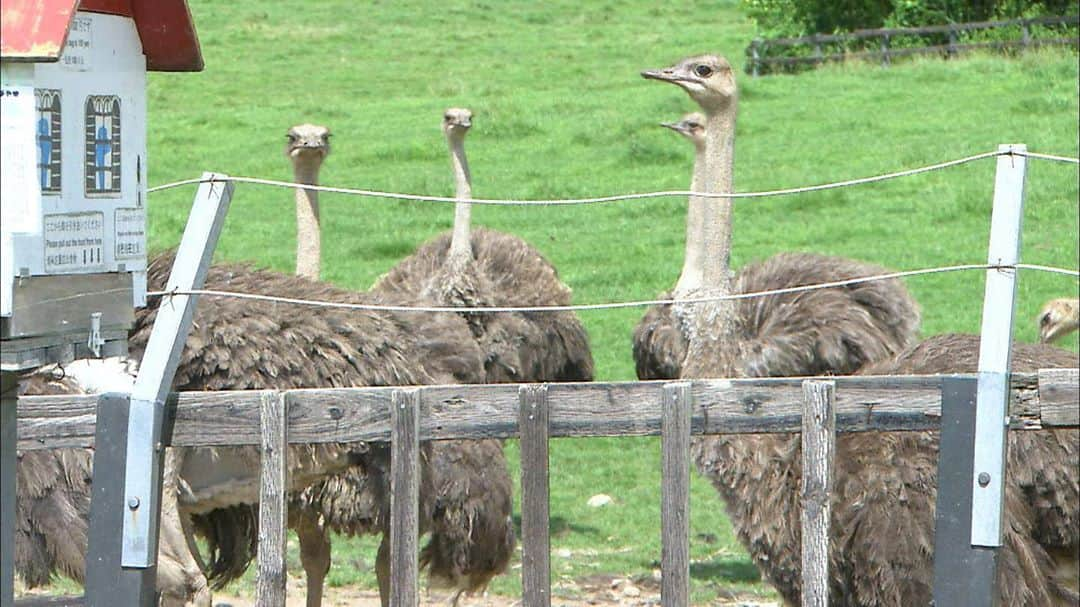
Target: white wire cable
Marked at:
1049, 157
613, 305
598, 199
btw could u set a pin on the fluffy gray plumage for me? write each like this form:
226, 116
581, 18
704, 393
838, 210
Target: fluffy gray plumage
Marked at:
881, 549
247, 345
810, 333
519, 347
52, 511
505, 271
52, 502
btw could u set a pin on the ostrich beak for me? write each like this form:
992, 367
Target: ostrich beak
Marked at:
678, 127
667, 75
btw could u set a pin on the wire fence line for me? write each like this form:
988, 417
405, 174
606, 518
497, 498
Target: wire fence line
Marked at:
612, 305
622, 197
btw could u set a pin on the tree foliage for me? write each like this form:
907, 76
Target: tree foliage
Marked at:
790, 18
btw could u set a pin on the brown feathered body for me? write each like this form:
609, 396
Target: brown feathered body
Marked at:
52, 503
517, 347
237, 344
505, 271
809, 333
52, 512
881, 548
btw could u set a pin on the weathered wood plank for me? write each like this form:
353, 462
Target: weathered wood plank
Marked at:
818, 451
587, 409
535, 515
675, 495
273, 506
1059, 391
404, 497
50, 601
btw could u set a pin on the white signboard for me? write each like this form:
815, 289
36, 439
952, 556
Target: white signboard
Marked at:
130, 231
18, 159
74, 241
80, 43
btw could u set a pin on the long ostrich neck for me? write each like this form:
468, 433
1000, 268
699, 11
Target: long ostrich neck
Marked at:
713, 324
719, 168
460, 245
308, 244
690, 280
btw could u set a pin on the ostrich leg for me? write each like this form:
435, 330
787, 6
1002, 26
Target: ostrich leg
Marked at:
314, 553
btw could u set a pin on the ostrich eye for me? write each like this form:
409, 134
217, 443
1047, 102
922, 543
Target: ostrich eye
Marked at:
1045, 319
447, 118
703, 70
290, 138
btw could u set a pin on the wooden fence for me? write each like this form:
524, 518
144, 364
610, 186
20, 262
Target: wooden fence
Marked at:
760, 61
818, 407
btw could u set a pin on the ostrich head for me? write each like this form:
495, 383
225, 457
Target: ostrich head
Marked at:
1058, 318
456, 122
307, 145
692, 126
708, 79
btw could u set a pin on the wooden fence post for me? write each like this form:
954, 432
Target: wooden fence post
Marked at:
818, 450
755, 56
952, 41
533, 418
404, 497
675, 494
818, 55
886, 60
273, 499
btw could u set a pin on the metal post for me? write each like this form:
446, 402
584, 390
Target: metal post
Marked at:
999, 305
9, 387
755, 56
963, 574
138, 494
107, 583
142, 485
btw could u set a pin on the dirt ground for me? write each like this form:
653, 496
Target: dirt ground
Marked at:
597, 590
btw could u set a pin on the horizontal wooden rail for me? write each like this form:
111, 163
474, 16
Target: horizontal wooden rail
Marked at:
940, 49
920, 31
1047, 398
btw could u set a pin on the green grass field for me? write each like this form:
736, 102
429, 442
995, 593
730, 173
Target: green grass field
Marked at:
560, 111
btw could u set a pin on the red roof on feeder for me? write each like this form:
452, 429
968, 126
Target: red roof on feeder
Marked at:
36, 30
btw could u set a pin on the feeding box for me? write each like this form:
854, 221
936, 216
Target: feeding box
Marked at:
74, 166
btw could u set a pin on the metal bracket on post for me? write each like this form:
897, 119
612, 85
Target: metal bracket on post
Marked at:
999, 306
142, 481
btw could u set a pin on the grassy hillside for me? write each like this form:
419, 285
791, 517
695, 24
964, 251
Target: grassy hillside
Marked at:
561, 112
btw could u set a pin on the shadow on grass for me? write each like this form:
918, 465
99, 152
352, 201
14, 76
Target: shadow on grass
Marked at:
725, 571
559, 527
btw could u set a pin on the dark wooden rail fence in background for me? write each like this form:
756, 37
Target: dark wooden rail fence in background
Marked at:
760, 61
536, 413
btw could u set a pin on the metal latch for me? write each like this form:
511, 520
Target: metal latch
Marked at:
94, 342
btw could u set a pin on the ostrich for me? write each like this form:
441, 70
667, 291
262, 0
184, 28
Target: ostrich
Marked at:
888, 563
483, 267
867, 321
235, 345
307, 145
1058, 318
1043, 495
659, 342
53, 506
472, 530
